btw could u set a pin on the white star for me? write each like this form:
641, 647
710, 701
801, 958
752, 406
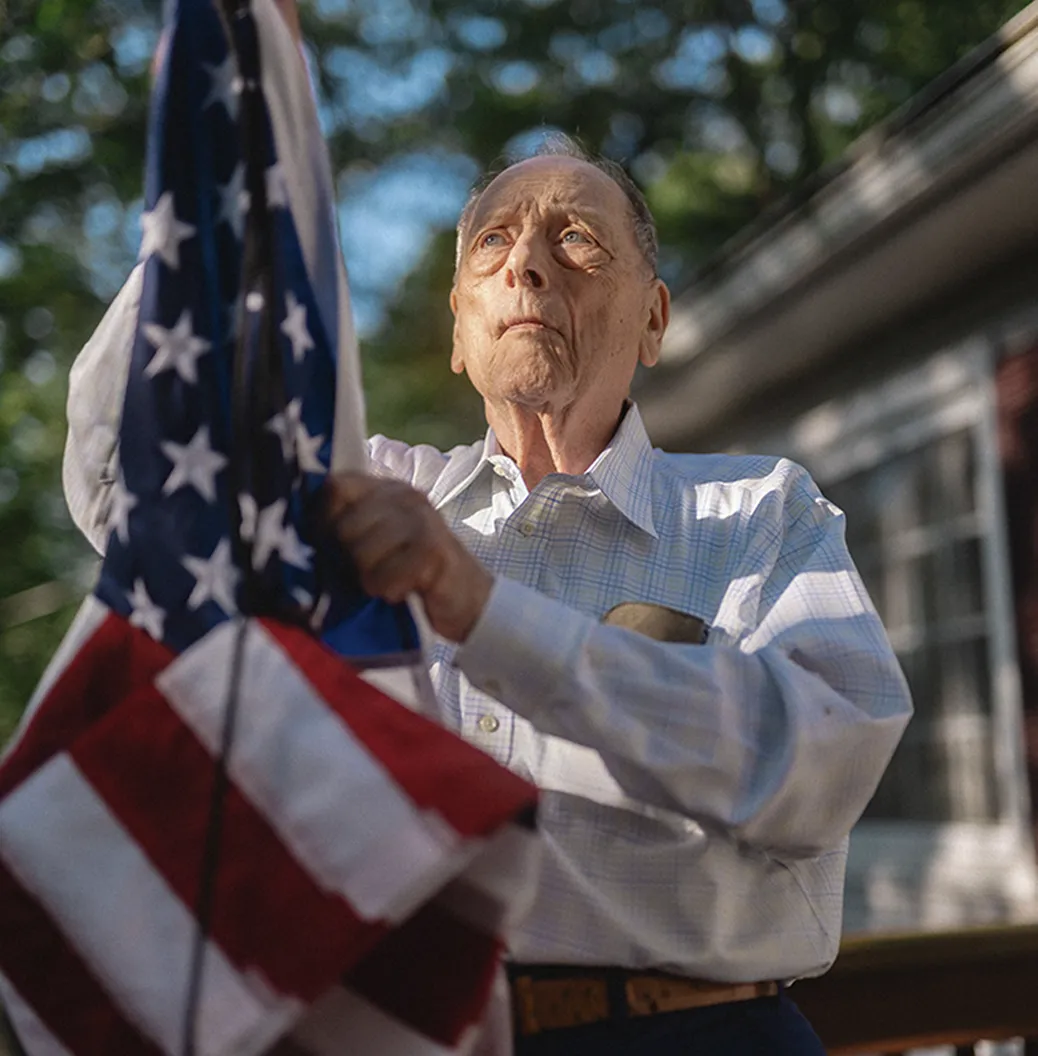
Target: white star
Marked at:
178, 348
195, 464
293, 550
286, 425
317, 618
249, 512
277, 192
146, 614
319, 611
306, 450
274, 536
119, 512
294, 327
234, 202
215, 578
163, 232
225, 88
267, 538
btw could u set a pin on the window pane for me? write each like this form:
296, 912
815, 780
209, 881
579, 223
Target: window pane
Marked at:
947, 484
961, 581
908, 525
965, 678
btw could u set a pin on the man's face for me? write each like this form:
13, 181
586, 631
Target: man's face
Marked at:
553, 299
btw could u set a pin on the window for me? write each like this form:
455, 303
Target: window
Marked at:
915, 532
913, 464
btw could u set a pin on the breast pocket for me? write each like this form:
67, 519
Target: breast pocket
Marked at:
659, 622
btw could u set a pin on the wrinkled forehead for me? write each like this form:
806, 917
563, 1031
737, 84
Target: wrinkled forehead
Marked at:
550, 185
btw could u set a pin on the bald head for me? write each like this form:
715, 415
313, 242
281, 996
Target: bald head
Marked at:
563, 148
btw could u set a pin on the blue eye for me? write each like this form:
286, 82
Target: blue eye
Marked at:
572, 237
485, 241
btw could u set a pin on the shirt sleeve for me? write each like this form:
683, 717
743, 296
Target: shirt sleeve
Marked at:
780, 737
96, 390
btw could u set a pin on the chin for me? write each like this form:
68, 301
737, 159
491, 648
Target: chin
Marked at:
539, 367
539, 394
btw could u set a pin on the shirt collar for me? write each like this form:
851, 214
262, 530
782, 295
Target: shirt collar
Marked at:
622, 472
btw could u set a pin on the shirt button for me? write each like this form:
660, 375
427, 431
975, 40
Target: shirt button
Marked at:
502, 471
488, 723
527, 527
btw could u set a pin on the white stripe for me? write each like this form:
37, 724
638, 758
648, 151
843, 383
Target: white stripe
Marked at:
92, 613
498, 888
403, 684
333, 805
303, 157
343, 1021
62, 843
508, 867
29, 1029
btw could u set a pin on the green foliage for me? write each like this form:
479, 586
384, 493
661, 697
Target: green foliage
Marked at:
720, 107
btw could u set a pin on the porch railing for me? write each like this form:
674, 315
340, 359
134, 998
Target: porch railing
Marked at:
890, 993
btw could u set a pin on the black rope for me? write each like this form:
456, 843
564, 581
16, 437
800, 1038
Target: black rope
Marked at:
211, 848
252, 385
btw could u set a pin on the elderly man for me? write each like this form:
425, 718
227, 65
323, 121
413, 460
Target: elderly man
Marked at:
698, 785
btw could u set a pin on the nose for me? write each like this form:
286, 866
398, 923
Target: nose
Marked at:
527, 263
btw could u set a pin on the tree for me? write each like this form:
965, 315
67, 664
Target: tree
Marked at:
720, 107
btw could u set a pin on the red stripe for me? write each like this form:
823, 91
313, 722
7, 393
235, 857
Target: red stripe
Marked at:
111, 664
53, 980
157, 779
434, 768
433, 973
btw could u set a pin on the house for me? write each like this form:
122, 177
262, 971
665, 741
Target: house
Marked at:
883, 331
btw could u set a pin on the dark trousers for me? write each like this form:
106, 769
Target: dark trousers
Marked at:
768, 1026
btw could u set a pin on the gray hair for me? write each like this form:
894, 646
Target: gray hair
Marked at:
561, 145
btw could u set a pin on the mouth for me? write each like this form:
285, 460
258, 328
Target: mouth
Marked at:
525, 323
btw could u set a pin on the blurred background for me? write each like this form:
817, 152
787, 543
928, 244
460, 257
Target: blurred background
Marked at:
845, 193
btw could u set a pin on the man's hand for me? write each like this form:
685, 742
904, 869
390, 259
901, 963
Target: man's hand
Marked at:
400, 545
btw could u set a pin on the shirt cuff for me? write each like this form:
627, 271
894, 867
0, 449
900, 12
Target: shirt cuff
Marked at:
524, 647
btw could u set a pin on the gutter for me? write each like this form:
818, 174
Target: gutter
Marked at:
949, 144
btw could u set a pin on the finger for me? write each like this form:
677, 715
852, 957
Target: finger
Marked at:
374, 546
344, 489
394, 512
402, 572
358, 520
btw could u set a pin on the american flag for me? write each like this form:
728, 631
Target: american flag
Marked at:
221, 832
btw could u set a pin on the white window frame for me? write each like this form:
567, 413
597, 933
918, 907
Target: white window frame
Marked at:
920, 874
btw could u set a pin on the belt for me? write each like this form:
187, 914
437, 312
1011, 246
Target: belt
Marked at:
553, 997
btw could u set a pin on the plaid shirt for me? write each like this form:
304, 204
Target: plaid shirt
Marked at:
697, 798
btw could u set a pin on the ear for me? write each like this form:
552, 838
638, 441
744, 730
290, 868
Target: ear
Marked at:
457, 359
656, 325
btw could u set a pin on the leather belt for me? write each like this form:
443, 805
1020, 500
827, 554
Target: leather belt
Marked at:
554, 997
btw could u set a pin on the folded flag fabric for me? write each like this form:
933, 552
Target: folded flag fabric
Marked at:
224, 827
370, 862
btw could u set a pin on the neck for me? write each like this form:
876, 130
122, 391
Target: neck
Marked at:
542, 442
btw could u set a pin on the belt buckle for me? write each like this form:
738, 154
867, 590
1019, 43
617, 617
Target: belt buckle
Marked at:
551, 1004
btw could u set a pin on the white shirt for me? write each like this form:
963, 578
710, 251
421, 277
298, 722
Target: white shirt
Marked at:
697, 798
